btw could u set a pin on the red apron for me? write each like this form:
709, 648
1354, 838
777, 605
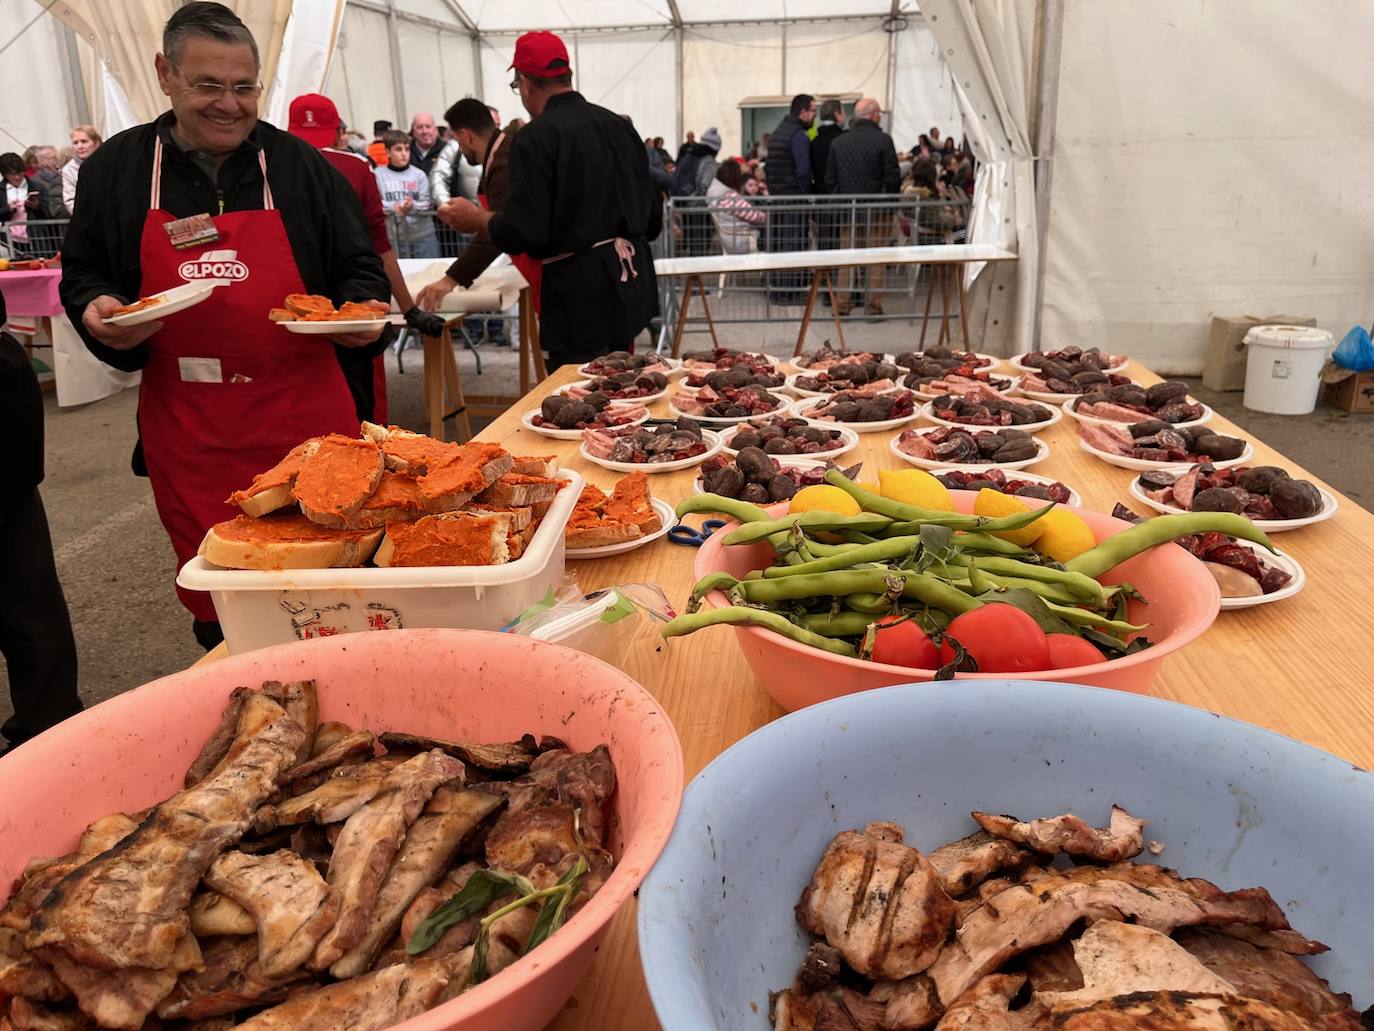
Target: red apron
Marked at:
531, 268
226, 393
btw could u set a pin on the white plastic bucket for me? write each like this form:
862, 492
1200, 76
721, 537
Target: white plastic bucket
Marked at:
1283, 368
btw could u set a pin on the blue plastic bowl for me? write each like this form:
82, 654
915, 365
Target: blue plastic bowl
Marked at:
1236, 804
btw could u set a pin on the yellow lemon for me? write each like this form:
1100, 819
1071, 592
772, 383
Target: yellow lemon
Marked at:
1065, 535
4, 264
994, 504
823, 498
915, 487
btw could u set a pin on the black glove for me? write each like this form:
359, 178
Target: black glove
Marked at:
426, 323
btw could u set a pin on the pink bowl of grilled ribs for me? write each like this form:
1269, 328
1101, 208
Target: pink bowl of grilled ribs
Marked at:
280, 838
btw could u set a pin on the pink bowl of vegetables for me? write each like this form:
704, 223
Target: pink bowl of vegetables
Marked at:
1172, 601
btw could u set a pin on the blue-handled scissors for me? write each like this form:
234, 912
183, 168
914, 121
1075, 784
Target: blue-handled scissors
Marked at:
685, 535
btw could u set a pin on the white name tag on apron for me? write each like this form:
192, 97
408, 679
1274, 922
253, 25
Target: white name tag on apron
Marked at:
200, 370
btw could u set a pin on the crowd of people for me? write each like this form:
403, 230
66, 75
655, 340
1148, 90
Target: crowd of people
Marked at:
40, 185
759, 199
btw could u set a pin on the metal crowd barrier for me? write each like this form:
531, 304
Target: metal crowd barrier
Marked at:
695, 226
33, 238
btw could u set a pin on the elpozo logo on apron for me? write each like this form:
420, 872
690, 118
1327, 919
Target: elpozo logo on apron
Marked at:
214, 265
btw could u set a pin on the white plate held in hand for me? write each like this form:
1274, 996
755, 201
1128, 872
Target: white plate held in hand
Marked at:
178, 298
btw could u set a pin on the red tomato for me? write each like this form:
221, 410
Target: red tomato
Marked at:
904, 644
1001, 638
1068, 650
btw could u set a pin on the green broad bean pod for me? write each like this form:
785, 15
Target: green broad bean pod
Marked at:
740, 511
848, 555
909, 518
1082, 617
846, 623
1160, 530
813, 521
928, 589
739, 616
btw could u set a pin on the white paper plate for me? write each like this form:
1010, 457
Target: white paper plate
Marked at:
847, 442
928, 413
802, 410
647, 399
527, 421
1328, 508
1093, 420
1043, 395
669, 366
791, 387
1075, 499
685, 366
1043, 452
713, 445
786, 461
178, 298
666, 516
1126, 462
333, 328
924, 392
1285, 562
796, 362
730, 420
991, 359
1019, 363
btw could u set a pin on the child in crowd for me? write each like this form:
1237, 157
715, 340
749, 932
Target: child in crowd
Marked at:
407, 201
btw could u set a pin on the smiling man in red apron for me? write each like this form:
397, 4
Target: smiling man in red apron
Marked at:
581, 203
209, 192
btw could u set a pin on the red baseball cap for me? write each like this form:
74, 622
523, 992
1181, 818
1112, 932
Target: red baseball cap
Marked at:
541, 54
314, 118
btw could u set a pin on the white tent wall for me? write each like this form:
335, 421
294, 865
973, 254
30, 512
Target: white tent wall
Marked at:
721, 66
360, 82
39, 114
436, 70
1209, 159
924, 89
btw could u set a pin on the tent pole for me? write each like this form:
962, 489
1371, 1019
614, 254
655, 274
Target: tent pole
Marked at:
397, 78
681, 135
78, 106
1044, 115
478, 89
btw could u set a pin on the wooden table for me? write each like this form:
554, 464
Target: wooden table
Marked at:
948, 259
1300, 667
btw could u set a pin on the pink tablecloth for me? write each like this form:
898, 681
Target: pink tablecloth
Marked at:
32, 293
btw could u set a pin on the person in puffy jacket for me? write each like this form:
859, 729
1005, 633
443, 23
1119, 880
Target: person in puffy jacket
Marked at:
864, 160
737, 221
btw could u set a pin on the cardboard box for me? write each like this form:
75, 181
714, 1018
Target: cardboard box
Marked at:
1348, 390
1224, 368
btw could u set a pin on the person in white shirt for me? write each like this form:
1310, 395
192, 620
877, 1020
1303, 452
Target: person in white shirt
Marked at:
85, 141
406, 199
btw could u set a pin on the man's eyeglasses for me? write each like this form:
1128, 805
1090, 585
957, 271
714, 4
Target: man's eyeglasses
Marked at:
208, 89
515, 84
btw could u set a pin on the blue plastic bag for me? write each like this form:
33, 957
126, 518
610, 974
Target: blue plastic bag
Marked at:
1356, 351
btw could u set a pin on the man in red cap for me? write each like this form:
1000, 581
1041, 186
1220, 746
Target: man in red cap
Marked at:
581, 202
314, 118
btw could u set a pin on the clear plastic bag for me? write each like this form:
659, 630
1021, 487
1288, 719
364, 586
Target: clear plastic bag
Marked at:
1355, 351
619, 625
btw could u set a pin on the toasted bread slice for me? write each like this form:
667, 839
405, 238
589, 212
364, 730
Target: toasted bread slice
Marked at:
271, 490
541, 465
630, 504
521, 517
353, 311
396, 500
407, 451
281, 315
451, 539
600, 534
303, 305
337, 479
462, 476
285, 542
514, 489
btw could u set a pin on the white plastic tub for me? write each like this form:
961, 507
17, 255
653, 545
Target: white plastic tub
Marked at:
1283, 368
257, 609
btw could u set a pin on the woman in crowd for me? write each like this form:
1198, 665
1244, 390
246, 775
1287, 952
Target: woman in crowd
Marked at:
21, 201
85, 140
737, 221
